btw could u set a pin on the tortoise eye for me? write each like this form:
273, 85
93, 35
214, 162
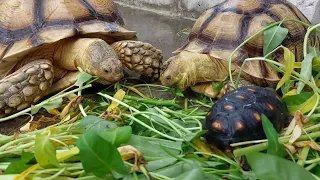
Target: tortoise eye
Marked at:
168, 77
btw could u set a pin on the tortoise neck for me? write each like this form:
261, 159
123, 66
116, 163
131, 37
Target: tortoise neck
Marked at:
202, 68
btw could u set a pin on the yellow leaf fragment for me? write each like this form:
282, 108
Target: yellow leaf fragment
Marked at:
26, 172
67, 154
297, 65
311, 144
290, 93
129, 152
119, 96
290, 147
202, 146
67, 108
60, 157
297, 131
288, 66
136, 91
26, 128
309, 104
291, 127
53, 111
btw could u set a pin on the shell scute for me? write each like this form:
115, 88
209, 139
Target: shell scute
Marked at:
248, 113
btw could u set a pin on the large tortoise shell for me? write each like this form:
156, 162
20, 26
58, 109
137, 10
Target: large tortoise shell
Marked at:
221, 29
26, 24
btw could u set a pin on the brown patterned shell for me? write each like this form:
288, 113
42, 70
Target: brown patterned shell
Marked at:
221, 29
27, 24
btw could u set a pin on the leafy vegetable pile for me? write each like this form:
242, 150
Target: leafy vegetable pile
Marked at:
127, 134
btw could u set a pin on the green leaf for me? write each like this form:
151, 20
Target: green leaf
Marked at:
192, 136
98, 156
314, 51
288, 66
304, 102
117, 136
95, 123
273, 37
306, 71
179, 92
288, 85
17, 167
274, 147
53, 104
161, 163
82, 78
316, 170
217, 86
34, 109
44, 151
152, 146
268, 167
191, 175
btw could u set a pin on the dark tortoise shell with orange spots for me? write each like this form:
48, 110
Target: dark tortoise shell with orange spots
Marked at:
236, 117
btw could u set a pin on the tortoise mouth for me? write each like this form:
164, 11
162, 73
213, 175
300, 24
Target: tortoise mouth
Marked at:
113, 78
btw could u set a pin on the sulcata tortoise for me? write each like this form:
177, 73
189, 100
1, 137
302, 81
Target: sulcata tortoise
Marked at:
43, 42
218, 32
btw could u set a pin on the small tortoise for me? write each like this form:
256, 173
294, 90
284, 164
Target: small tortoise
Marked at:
237, 116
219, 31
43, 42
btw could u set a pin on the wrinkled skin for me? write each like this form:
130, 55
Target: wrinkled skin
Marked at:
188, 69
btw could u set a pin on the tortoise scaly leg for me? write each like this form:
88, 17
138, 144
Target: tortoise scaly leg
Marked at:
25, 87
66, 81
140, 57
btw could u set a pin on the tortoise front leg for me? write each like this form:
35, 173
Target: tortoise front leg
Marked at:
207, 89
140, 57
25, 87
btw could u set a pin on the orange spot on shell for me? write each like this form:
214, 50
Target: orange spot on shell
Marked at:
257, 116
241, 97
270, 106
217, 125
228, 107
239, 125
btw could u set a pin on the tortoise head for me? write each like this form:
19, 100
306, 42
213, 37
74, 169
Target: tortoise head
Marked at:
105, 63
173, 71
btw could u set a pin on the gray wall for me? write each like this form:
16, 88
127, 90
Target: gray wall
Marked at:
160, 21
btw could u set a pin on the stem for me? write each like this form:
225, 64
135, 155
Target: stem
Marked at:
153, 102
263, 146
219, 157
167, 121
151, 129
11, 143
304, 155
306, 37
